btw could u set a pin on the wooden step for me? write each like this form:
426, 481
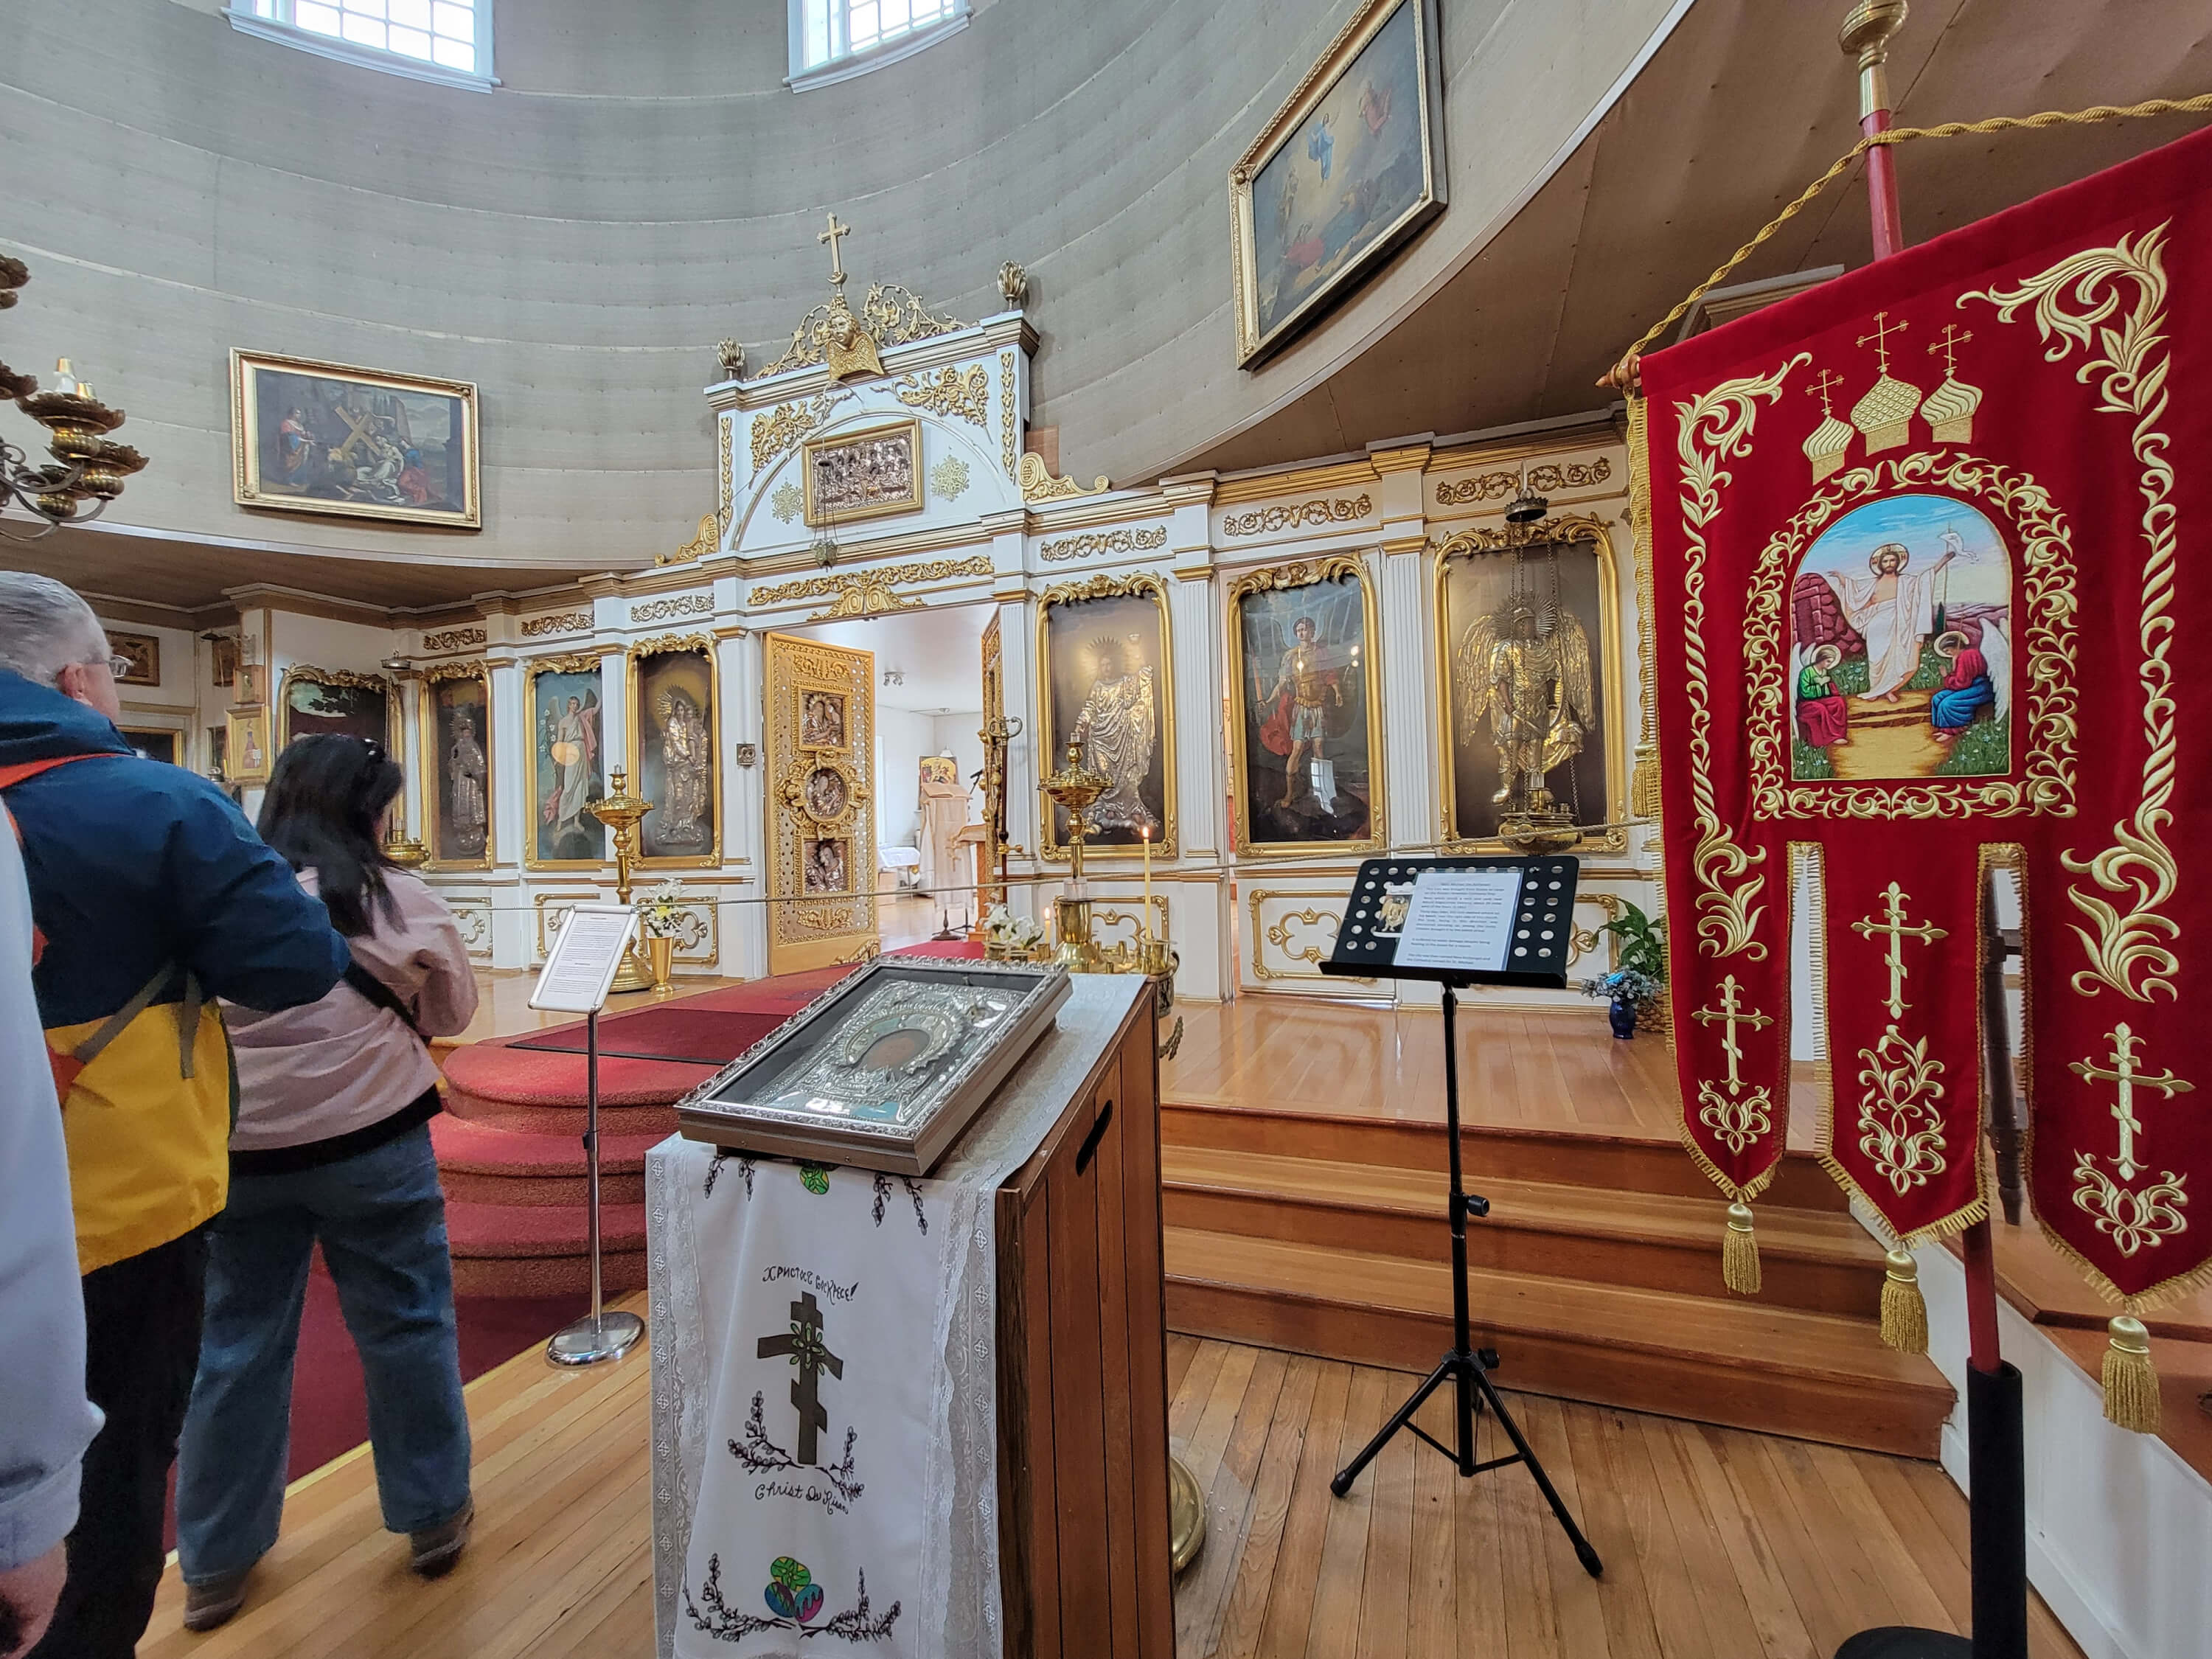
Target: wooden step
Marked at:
1740, 1363
1612, 1162
1815, 1261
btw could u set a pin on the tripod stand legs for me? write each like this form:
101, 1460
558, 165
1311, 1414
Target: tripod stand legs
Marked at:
1471, 1372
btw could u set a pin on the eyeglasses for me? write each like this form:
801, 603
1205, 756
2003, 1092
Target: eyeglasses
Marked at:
120, 666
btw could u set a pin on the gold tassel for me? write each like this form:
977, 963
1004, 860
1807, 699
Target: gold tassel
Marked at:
2130, 1384
1740, 1252
1903, 1310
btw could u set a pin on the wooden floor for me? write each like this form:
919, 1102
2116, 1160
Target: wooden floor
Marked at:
1518, 1069
1717, 1543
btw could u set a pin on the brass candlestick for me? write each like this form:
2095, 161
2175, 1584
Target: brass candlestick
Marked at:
1074, 787
622, 811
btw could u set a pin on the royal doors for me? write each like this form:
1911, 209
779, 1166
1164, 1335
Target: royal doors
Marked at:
821, 803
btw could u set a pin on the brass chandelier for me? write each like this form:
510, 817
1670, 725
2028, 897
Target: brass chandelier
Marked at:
89, 467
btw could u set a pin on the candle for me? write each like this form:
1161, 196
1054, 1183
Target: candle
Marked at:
1146, 922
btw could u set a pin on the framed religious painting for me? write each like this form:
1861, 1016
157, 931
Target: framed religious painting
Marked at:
455, 710
159, 743
824, 722
361, 443
1306, 744
1529, 680
244, 754
334, 700
863, 475
566, 764
675, 727
142, 652
1106, 689
1349, 169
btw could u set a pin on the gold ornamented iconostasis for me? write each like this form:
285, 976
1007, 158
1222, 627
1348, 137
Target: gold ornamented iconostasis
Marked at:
1281, 674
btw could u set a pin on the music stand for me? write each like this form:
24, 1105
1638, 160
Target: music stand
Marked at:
1470, 942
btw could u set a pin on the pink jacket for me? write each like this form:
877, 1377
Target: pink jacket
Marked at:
308, 1074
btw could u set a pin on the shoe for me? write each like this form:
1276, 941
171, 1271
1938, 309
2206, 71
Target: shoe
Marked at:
437, 1549
212, 1603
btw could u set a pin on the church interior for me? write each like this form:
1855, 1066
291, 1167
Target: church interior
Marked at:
1200, 707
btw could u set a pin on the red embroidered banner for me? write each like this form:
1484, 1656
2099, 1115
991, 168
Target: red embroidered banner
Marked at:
1929, 546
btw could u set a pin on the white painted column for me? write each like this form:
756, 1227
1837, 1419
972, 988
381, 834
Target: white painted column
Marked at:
512, 939
738, 665
1411, 720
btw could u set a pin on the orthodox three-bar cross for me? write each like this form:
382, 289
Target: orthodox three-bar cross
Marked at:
1730, 1015
2126, 1079
1898, 930
1948, 342
1883, 328
1824, 385
805, 1348
836, 261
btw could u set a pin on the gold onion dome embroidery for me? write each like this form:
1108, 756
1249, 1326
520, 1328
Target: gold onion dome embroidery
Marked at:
1829, 447
1949, 411
1885, 414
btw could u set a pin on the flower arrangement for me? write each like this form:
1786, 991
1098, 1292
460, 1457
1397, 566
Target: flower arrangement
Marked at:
1637, 986
1621, 985
662, 912
1010, 938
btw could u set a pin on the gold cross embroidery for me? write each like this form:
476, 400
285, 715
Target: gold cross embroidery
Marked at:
1894, 924
1883, 329
2126, 1079
1824, 383
1948, 344
836, 261
1728, 1016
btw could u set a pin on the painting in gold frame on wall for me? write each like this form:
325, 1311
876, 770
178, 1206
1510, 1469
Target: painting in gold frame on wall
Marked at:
328, 438
675, 727
568, 767
1304, 733
246, 746
311, 700
1349, 169
1106, 684
863, 475
1484, 578
142, 652
457, 754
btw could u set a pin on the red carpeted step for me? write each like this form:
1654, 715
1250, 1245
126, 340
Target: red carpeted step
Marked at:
524, 1250
479, 1163
568, 1122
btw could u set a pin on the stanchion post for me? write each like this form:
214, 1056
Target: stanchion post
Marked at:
600, 1335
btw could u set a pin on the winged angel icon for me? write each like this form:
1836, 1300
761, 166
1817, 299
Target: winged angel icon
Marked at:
1530, 674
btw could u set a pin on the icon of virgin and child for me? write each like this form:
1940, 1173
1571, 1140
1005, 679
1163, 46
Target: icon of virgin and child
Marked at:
1900, 648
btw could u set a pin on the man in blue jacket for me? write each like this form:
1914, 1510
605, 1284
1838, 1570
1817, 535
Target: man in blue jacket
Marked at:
151, 896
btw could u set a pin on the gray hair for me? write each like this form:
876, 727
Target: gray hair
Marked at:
43, 627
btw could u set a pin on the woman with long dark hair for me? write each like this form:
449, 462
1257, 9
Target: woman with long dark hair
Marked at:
332, 1146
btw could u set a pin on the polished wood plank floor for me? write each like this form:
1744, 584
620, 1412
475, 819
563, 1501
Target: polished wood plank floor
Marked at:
1534, 1069
1718, 1545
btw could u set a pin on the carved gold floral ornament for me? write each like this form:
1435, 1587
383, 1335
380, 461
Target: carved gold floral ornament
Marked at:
1039, 485
1495, 486
788, 425
964, 392
1320, 512
1106, 542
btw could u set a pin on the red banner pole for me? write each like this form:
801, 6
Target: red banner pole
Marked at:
1866, 32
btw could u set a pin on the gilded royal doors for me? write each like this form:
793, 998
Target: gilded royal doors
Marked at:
674, 723
821, 731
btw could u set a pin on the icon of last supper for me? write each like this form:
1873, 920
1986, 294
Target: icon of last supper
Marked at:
1901, 645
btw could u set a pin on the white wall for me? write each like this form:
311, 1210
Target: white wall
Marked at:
903, 737
961, 736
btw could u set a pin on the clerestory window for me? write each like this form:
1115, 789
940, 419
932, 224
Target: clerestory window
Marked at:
430, 40
831, 39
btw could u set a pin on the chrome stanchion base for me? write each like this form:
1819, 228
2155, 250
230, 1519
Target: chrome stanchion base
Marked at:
595, 1338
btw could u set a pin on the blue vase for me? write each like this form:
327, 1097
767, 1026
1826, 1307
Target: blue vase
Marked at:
1622, 1014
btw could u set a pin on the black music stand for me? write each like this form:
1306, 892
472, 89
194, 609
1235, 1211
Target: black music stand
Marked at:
1535, 955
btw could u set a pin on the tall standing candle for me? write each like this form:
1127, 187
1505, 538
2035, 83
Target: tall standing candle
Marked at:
1147, 923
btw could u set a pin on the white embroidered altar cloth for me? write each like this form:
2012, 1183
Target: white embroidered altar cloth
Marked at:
865, 1305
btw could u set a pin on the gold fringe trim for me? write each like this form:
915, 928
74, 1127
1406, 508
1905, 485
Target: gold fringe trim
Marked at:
1740, 1252
2130, 1382
1904, 1309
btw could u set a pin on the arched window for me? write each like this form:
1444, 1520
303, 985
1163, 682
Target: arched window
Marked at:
832, 39
431, 39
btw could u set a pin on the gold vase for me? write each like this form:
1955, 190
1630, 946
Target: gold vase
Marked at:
661, 956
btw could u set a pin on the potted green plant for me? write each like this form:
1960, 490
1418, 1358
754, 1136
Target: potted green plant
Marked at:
1637, 986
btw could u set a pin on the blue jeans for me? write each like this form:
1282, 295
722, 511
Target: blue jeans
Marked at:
380, 1218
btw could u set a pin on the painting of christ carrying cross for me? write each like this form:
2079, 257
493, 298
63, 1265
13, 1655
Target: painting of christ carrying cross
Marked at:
323, 438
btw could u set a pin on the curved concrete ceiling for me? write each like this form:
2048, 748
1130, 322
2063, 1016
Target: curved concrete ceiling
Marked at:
642, 185
1745, 104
